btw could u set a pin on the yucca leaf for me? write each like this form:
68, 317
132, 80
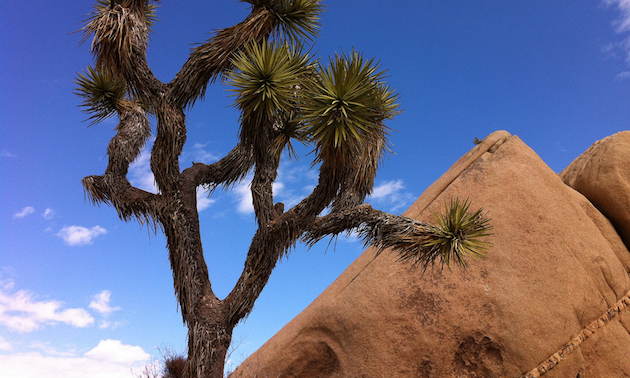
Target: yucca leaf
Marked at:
347, 100
458, 233
267, 79
102, 94
299, 19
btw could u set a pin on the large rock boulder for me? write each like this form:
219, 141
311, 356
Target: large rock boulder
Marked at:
556, 265
602, 174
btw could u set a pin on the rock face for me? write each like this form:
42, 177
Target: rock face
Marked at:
602, 174
556, 265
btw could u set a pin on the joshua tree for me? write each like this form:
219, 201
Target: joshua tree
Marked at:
283, 94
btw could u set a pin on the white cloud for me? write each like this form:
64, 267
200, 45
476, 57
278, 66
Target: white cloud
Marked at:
140, 174
392, 195
387, 189
203, 202
100, 303
48, 214
110, 359
115, 351
79, 235
21, 312
245, 201
244, 194
25, 211
8, 154
5, 345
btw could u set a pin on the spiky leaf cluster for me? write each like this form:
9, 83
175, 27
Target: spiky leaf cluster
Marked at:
287, 128
267, 78
103, 94
458, 233
297, 19
348, 101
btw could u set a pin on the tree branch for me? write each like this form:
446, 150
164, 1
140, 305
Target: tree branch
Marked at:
168, 145
274, 241
458, 233
119, 46
113, 188
129, 202
227, 171
213, 58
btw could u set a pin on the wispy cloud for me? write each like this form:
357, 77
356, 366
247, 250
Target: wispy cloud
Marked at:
110, 359
22, 312
392, 195
48, 214
79, 235
104, 324
243, 193
25, 211
244, 198
5, 345
621, 26
7, 284
200, 155
625, 75
203, 202
46, 348
100, 303
140, 174
8, 154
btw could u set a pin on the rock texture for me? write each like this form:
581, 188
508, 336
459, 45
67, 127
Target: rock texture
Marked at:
556, 265
602, 174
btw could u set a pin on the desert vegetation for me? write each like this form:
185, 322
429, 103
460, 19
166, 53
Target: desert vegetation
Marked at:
284, 95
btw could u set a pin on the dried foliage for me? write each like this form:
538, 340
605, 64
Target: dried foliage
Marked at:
120, 29
174, 365
283, 95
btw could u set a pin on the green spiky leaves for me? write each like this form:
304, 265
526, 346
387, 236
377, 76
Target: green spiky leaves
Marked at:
299, 19
296, 19
457, 234
348, 101
266, 78
103, 95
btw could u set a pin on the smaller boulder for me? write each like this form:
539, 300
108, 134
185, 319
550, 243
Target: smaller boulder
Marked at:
602, 174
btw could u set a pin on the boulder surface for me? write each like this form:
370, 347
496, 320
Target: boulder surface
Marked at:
602, 174
555, 266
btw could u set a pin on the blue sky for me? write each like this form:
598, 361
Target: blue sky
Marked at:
84, 294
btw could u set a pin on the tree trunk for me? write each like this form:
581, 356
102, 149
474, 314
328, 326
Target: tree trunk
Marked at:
208, 341
209, 333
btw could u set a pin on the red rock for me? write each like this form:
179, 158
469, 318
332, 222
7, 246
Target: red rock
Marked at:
556, 265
